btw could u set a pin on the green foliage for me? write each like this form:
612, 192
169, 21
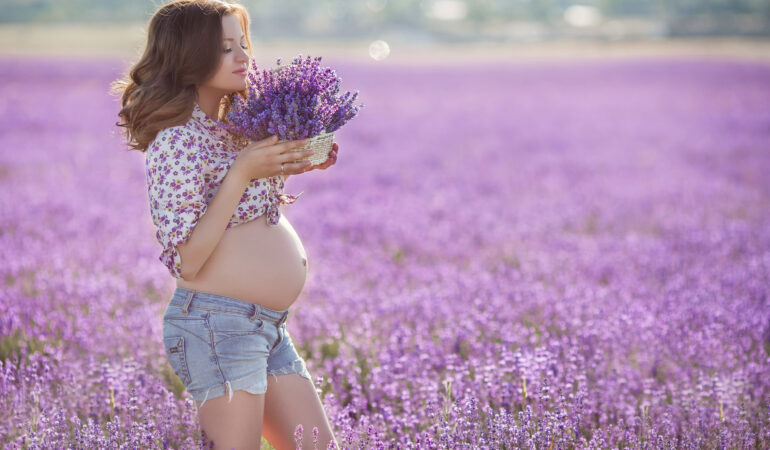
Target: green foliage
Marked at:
11, 346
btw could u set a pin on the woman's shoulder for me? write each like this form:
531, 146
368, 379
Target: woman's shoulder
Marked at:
175, 137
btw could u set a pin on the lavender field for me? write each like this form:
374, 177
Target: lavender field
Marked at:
550, 255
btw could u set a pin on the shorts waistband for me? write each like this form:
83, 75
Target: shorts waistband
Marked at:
188, 298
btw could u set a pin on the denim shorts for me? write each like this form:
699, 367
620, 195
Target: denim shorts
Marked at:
217, 344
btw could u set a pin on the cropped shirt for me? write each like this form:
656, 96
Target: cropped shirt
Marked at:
184, 167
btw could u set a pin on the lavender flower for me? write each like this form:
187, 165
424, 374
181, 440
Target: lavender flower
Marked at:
626, 265
297, 101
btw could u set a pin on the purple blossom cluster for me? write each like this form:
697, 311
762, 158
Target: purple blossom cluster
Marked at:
297, 101
510, 283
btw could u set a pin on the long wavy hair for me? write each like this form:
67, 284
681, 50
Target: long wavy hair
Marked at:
184, 49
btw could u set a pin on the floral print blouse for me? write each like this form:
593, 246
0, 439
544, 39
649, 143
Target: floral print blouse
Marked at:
185, 165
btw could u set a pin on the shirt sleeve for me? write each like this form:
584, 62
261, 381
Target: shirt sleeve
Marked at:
176, 187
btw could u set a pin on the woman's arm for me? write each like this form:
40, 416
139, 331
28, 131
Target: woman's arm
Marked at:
212, 224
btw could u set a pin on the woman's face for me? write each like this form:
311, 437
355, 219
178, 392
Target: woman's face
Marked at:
234, 57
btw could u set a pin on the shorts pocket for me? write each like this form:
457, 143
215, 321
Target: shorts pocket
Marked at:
176, 314
225, 326
177, 357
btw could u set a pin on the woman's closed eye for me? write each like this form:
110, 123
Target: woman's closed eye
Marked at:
228, 50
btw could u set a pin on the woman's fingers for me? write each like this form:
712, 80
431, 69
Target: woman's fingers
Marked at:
294, 168
290, 146
265, 142
296, 155
330, 160
295, 162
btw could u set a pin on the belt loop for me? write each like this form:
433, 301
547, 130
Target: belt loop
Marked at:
188, 300
283, 318
255, 314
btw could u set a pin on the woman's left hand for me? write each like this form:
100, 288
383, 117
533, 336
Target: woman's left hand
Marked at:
330, 160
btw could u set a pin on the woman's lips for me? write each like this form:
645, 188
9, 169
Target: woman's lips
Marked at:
240, 72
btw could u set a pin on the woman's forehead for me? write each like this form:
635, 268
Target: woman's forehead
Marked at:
231, 26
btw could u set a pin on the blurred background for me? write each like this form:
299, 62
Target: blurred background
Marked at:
379, 29
584, 238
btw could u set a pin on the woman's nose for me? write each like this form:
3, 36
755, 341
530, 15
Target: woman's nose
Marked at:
242, 55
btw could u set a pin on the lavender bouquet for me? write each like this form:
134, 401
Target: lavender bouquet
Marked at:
298, 101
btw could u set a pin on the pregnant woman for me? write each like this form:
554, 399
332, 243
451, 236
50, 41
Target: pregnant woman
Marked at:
216, 205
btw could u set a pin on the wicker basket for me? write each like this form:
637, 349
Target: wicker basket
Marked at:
321, 144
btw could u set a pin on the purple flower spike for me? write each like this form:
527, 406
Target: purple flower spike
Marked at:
297, 101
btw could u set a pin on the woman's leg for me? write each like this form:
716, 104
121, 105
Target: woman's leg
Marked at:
237, 424
291, 399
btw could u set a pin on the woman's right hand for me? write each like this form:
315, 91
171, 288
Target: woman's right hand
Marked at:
260, 159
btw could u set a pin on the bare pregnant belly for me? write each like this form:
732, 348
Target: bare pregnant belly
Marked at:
257, 263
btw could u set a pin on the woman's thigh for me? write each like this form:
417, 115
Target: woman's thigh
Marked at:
221, 358
291, 399
237, 424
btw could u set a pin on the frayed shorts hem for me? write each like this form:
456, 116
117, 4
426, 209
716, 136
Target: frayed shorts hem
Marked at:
255, 383
298, 366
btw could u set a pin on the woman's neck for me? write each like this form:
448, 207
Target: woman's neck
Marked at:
209, 103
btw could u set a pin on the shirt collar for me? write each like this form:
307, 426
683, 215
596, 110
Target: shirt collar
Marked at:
210, 125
